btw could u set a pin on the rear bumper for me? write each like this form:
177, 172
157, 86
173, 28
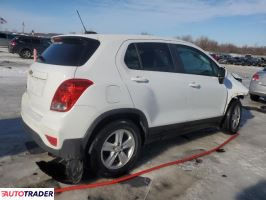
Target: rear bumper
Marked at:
69, 128
10, 50
71, 148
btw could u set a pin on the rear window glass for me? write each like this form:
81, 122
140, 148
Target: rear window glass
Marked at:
11, 36
69, 51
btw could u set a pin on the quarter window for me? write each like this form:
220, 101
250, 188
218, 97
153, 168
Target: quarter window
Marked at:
131, 57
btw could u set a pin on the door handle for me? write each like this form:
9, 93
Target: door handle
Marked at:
140, 79
194, 85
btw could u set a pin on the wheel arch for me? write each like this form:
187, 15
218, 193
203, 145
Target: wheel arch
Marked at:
234, 98
23, 49
132, 114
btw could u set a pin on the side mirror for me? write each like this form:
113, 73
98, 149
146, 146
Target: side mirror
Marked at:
221, 75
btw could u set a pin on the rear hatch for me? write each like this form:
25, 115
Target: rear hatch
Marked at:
56, 64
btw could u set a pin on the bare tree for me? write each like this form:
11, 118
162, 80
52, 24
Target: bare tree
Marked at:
213, 46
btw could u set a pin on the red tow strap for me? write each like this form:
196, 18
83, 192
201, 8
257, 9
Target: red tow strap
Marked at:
125, 178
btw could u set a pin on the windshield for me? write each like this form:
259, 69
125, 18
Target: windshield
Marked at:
69, 51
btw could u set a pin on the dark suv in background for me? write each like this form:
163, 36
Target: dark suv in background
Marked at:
24, 45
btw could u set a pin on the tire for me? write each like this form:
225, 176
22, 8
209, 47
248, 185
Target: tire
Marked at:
254, 97
232, 118
25, 53
108, 156
74, 171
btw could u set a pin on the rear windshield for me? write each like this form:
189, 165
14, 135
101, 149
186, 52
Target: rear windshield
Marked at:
69, 51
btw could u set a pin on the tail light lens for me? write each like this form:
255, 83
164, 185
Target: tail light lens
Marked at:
256, 77
52, 140
68, 93
13, 43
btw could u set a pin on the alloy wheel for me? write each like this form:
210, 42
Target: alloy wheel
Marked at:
236, 117
118, 149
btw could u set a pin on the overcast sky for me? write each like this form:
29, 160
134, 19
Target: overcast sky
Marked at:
237, 21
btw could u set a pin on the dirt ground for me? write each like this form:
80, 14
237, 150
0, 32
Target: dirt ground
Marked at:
238, 173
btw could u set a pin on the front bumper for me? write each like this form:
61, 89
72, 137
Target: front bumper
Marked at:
71, 148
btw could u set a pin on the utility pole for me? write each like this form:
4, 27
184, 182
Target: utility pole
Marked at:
23, 27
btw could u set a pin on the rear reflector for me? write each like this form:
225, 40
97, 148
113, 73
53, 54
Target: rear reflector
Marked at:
68, 93
52, 140
256, 77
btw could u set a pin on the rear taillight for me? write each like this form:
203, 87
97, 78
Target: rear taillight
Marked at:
256, 77
13, 43
51, 140
68, 93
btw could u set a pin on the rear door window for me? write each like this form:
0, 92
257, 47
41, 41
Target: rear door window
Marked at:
155, 57
69, 51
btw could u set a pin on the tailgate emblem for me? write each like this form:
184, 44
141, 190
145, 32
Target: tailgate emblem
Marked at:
30, 72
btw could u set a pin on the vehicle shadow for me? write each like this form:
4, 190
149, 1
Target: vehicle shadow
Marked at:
14, 140
256, 192
12, 137
246, 115
260, 108
56, 169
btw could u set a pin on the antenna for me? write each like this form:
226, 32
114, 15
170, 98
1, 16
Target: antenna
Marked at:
85, 31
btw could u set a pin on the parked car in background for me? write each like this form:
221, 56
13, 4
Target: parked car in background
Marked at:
234, 61
252, 61
5, 38
238, 61
257, 86
215, 56
95, 100
262, 62
224, 58
24, 45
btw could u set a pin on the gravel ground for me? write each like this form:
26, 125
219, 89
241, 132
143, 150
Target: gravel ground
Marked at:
238, 173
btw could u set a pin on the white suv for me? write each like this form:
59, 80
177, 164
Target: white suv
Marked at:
100, 98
